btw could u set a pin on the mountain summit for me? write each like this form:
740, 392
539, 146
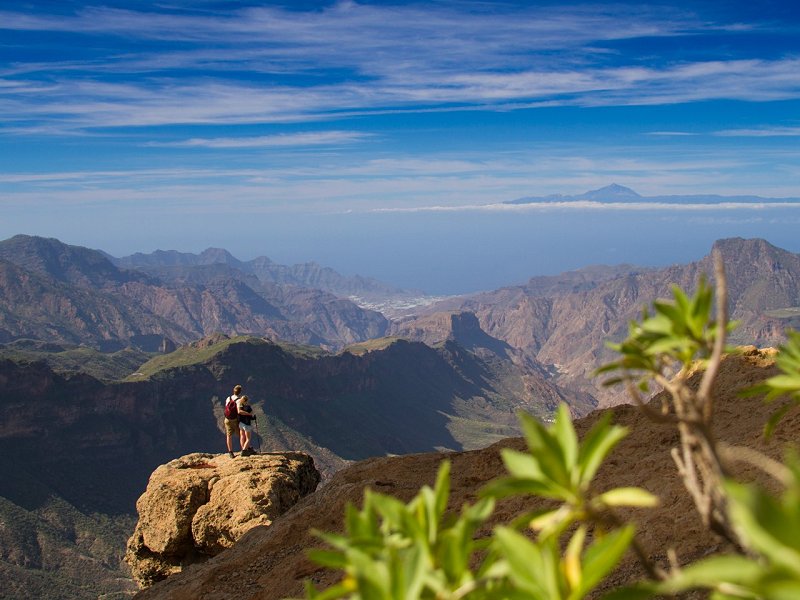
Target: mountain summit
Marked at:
612, 193
609, 193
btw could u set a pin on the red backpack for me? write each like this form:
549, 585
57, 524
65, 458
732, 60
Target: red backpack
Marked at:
231, 412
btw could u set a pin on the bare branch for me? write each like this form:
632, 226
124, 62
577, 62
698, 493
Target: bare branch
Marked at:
649, 411
755, 458
710, 375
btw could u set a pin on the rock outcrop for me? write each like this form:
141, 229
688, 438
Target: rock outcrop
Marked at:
198, 505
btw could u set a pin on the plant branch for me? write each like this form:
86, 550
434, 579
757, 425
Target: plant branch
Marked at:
707, 383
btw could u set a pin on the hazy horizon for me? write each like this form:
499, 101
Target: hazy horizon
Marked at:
446, 254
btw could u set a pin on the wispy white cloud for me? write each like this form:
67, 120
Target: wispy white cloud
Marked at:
281, 140
761, 132
588, 205
370, 26
87, 103
349, 59
672, 133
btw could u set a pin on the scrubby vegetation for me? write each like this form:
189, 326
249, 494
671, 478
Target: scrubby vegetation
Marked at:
207, 348
105, 366
190, 354
392, 550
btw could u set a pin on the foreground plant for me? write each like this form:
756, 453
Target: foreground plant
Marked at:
666, 348
785, 385
396, 550
392, 550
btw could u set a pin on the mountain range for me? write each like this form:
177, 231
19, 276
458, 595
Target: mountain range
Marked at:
128, 361
615, 193
172, 264
565, 322
59, 293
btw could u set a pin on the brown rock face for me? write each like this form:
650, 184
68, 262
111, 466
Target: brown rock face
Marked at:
198, 505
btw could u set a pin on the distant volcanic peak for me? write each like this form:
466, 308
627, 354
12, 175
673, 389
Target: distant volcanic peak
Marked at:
609, 193
613, 192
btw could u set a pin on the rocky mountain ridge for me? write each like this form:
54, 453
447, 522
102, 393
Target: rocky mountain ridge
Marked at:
55, 292
565, 323
307, 275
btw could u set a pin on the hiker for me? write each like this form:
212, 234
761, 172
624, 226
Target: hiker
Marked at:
232, 418
245, 425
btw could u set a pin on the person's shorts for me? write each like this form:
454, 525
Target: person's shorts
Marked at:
245, 427
232, 426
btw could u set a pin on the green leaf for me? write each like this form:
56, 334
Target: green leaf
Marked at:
572, 561
521, 555
328, 558
411, 574
391, 509
769, 526
509, 486
628, 496
553, 521
602, 556
331, 593
333, 539
544, 447
442, 488
711, 572
532, 568
567, 439
784, 383
522, 465
596, 445
774, 419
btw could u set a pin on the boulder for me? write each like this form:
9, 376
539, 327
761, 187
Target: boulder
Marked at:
198, 505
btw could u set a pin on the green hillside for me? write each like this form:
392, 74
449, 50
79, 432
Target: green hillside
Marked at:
105, 366
204, 350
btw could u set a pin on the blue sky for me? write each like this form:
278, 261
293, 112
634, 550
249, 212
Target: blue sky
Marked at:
132, 126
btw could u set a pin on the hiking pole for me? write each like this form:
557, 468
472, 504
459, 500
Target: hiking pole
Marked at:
260, 439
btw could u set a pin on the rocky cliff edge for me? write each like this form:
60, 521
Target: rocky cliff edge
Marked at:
198, 505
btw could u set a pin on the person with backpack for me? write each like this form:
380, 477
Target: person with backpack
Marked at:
232, 419
245, 425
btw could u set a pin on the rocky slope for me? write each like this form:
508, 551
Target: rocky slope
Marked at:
198, 505
271, 563
566, 323
55, 292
